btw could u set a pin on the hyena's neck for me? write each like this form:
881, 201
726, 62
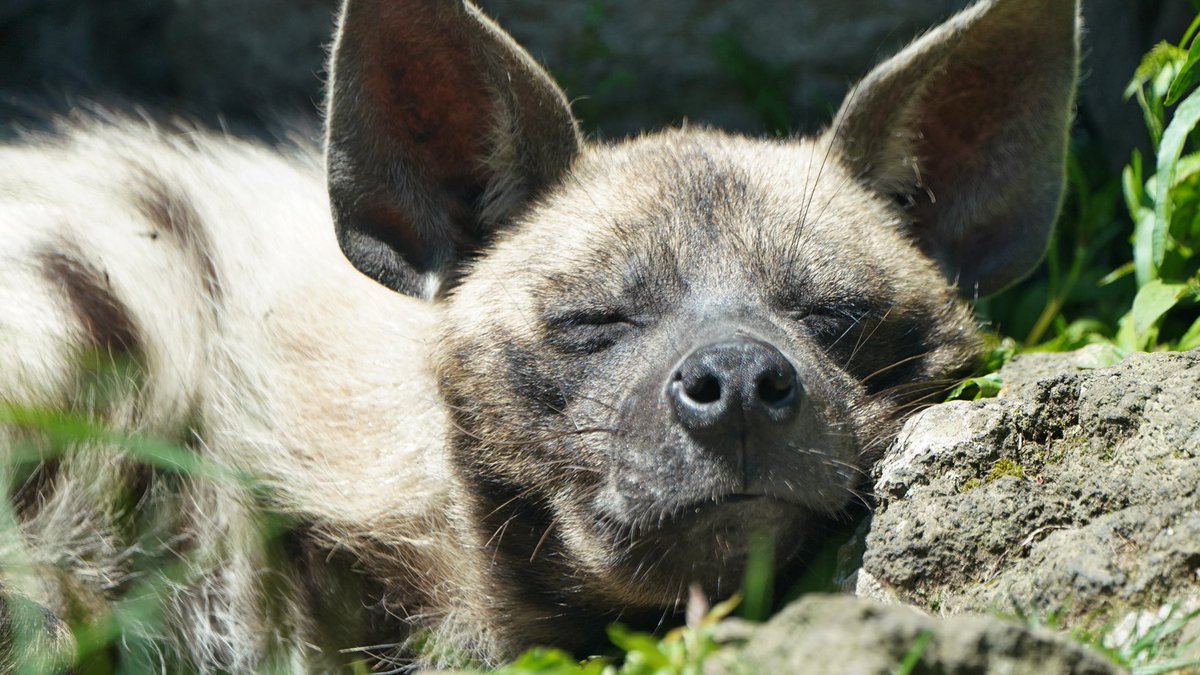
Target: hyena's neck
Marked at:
525, 590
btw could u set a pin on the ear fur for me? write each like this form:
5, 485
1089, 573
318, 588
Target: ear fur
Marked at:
969, 125
440, 129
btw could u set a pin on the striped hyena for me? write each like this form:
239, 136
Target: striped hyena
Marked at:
468, 377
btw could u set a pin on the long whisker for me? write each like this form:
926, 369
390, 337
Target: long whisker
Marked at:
864, 339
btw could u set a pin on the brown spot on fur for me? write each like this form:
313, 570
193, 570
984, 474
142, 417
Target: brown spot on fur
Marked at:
171, 212
105, 319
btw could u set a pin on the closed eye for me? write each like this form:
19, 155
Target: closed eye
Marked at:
830, 324
588, 330
587, 317
834, 325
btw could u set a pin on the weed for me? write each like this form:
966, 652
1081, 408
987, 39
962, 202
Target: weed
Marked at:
1148, 643
912, 658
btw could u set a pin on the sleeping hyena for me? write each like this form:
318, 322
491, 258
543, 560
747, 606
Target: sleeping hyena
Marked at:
470, 376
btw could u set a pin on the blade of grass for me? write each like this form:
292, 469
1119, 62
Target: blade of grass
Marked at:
1187, 116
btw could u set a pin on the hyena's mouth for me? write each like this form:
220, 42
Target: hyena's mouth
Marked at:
729, 499
699, 487
738, 420
683, 522
708, 543
709, 507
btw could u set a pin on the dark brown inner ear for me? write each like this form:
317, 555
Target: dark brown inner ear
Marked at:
969, 124
440, 129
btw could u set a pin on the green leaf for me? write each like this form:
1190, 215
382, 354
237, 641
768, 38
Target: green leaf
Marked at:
1187, 167
1156, 73
1187, 116
720, 611
1116, 275
998, 354
1190, 339
1153, 301
1143, 246
913, 657
989, 385
1161, 57
641, 647
1186, 78
975, 388
1080, 333
758, 582
1131, 183
550, 662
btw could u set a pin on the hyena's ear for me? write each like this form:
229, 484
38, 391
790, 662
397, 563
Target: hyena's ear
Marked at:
440, 129
969, 125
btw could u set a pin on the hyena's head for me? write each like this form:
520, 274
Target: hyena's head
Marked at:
656, 347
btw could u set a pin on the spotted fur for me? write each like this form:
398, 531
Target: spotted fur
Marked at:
419, 385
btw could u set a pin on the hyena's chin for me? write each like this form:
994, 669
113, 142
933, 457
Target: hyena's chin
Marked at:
706, 544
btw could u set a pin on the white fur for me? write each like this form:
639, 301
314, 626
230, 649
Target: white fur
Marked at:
304, 373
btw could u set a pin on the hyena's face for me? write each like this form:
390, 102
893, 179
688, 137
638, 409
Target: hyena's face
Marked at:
656, 348
696, 337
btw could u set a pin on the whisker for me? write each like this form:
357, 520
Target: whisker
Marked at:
862, 340
542, 539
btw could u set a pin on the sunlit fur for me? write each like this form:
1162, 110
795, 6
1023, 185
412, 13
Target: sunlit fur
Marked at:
485, 460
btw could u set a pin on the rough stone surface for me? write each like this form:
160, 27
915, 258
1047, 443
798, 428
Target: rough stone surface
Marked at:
833, 635
1076, 493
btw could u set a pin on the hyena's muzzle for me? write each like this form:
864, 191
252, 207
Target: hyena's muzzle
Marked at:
742, 436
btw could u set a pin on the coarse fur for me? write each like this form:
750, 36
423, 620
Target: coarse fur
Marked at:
497, 385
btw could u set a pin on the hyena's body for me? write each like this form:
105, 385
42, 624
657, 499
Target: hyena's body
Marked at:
628, 358
243, 350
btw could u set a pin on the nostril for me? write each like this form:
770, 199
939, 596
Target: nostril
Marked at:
704, 390
777, 388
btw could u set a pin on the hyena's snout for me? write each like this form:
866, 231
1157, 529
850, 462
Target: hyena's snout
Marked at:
733, 388
739, 415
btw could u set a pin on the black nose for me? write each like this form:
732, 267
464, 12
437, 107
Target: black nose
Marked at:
720, 386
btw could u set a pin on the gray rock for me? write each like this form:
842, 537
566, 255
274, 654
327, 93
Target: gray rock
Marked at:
1076, 493
832, 635
1028, 369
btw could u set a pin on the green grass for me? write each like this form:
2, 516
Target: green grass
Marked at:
1153, 644
681, 651
114, 637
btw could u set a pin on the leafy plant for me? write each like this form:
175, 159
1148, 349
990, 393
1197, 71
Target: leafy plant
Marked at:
1147, 643
1165, 204
987, 383
912, 658
681, 651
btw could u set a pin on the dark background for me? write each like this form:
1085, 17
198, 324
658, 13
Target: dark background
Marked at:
750, 65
